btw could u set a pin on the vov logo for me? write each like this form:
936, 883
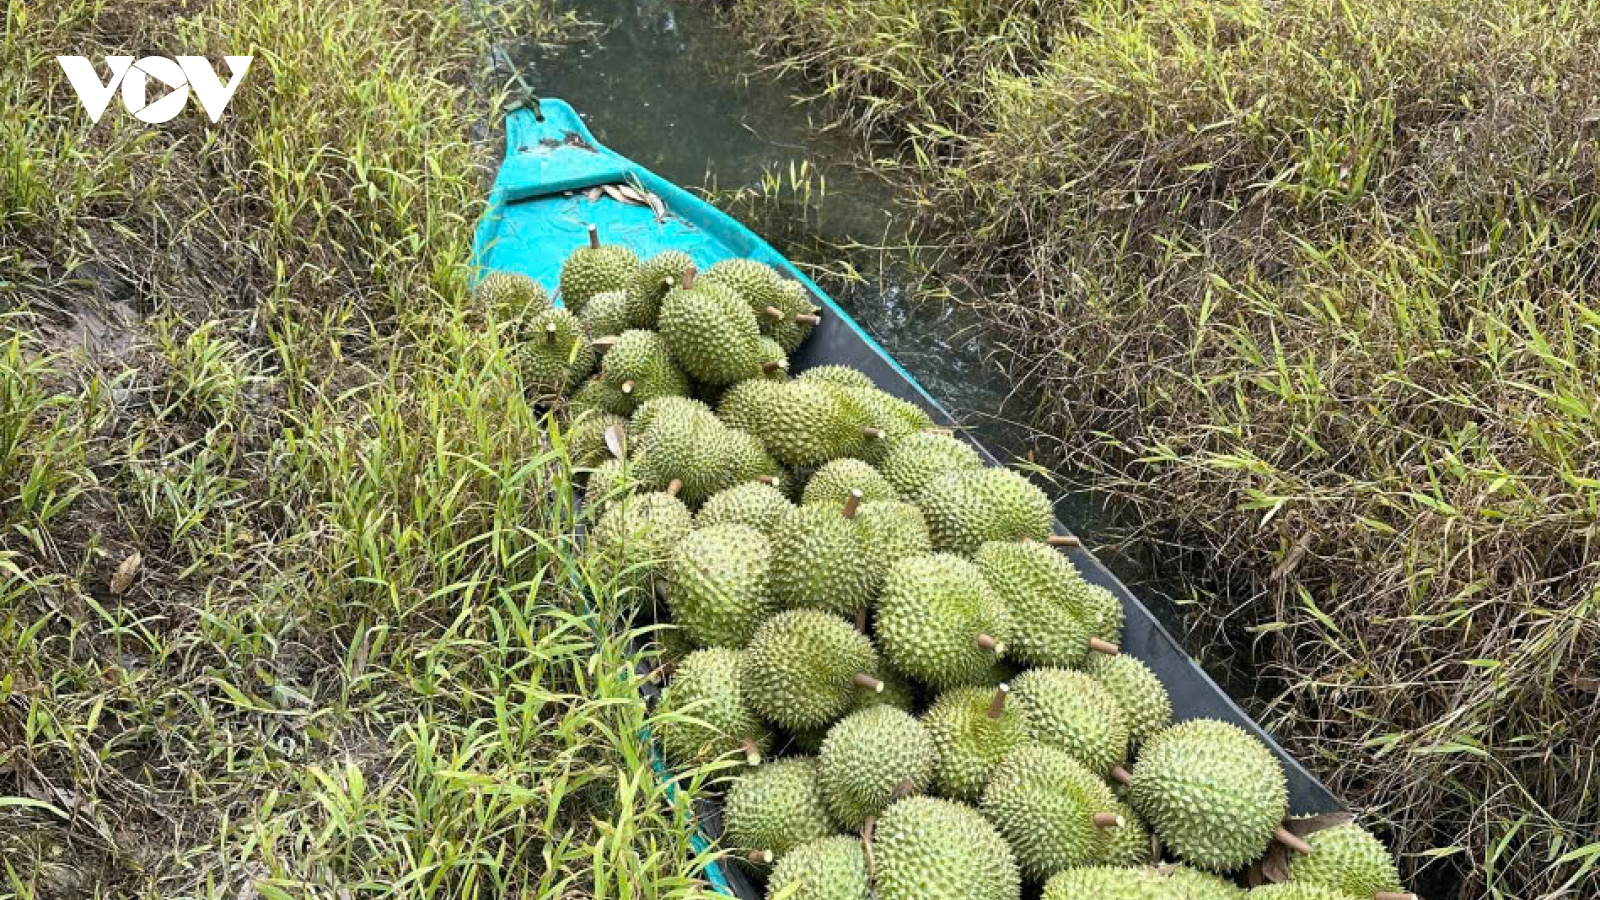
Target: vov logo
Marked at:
182, 75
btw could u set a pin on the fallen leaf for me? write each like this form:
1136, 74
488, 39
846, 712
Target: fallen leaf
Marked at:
122, 579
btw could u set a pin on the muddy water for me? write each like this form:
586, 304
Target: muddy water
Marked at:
663, 83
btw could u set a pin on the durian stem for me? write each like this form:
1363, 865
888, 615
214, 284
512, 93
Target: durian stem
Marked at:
872, 433
1063, 540
987, 642
594, 238
601, 345
1121, 776
852, 503
1394, 895
673, 487
760, 857
1284, 837
1109, 820
808, 319
998, 704
866, 846
1103, 646
627, 386
864, 680
861, 620
550, 332
752, 753
774, 312
770, 366
764, 479
688, 277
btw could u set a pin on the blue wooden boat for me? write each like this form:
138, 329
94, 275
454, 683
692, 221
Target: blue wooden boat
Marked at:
552, 186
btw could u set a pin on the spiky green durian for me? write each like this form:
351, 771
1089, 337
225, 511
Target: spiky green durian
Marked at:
819, 561
757, 504
511, 294
1212, 793
605, 315
973, 729
586, 437
1296, 890
669, 407
711, 334
897, 692
830, 868
650, 283
831, 485
557, 354
1346, 858
595, 269
1072, 712
1037, 584
1102, 612
913, 462
890, 531
967, 508
636, 536
597, 396
889, 418
1146, 706
696, 449
720, 584
1053, 812
932, 849
776, 807
800, 424
1106, 883
871, 758
1129, 844
773, 362
639, 368
804, 668
792, 328
841, 376
1186, 883
703, 716
611, 480
754, 283
938, 622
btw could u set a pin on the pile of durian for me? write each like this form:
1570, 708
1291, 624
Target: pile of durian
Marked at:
924, 698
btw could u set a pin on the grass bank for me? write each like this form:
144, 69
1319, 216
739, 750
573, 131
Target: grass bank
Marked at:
286, 580
1312, 288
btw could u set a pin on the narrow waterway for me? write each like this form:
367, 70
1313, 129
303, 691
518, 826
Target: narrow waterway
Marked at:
664, 83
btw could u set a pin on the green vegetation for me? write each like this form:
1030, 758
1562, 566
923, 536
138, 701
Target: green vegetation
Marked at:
1311, 287
284, 610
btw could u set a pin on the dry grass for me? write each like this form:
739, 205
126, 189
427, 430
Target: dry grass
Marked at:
288, 600
1312, 288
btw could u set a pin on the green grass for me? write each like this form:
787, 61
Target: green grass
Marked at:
289, 602
1311, 288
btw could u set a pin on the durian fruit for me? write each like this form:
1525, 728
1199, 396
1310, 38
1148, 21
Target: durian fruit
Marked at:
1146, 706
607, 482
598, 396
1212, 793
776, 807
913, 462
639, 368
1348, 859
586, 437
1296, 890
890, 531
711, 334
755, 503
511, 294
831, 485
973, 729
1185, 883
797, 316
664, 408
720, 581
804, 668
897, 692
932, 849
1102, 612
1129, 845
870, 758
1072, 712
636, 536
1055, 813
557, 356
702, 715
839, 376
819, 560
605, 315
773, 363
967, 508
1107, 883
694, 447
887, 418
830, 868
650, 283
800, 424
938, 622
1039, 586
595, 269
